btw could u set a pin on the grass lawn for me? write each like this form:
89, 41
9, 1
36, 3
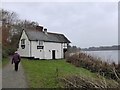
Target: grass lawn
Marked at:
43, 73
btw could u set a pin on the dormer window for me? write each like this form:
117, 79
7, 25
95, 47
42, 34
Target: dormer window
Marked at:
23, 43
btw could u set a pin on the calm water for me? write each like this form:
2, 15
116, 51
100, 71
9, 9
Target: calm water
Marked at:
110, 56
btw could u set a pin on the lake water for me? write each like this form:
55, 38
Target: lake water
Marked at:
110, 56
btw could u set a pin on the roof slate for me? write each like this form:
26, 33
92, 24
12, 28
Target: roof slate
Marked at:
49, 37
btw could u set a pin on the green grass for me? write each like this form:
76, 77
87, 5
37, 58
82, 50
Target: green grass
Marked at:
5, 61
42, 73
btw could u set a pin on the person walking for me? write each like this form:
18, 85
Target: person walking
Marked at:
16, 60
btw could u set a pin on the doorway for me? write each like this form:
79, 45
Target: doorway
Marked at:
53, 54
64, 51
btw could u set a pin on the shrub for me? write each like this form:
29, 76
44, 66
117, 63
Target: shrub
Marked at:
94, 64
6, 51
86, 83
4, 54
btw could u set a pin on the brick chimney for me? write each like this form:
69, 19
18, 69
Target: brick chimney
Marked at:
39, 28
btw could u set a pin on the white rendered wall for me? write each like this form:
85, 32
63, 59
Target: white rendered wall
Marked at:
36, 53
46, 52
49, 46
26, 51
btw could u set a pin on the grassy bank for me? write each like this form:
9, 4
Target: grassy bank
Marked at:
95, 65
45, 73
5, 61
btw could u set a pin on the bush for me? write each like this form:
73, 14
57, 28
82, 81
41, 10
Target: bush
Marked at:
11, 51
94, 64
86, 83
4, 54
6, 51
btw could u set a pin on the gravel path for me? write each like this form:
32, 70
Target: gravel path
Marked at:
13, 79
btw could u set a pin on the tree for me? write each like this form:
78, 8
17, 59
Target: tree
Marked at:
8, 17
8, 20
28, 24
12, 27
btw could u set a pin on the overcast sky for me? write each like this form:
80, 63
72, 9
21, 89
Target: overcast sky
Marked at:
84, 23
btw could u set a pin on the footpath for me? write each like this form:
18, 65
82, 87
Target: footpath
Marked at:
13, 79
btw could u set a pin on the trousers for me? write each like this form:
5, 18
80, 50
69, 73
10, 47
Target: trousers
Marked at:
16, 66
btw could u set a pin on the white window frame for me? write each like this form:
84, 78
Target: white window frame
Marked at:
40, 43
22, 41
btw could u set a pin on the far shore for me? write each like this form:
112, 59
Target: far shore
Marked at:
100, 50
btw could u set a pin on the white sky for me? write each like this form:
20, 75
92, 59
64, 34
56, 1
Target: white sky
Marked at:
84, 23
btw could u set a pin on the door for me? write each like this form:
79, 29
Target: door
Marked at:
53, 54
64, 50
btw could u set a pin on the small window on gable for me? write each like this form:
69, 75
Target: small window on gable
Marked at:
40, 43
23, 42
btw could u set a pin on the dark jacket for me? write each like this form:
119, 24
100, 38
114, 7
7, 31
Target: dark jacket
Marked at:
16, 58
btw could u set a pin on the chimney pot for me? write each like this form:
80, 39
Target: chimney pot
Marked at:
45, 30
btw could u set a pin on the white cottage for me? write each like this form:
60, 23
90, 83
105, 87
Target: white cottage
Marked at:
41, 44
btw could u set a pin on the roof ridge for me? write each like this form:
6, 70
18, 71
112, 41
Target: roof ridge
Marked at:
54, 33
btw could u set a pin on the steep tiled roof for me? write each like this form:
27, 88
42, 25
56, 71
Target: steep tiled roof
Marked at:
50, 37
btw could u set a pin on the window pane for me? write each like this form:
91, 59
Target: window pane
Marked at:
23, 41
41, 43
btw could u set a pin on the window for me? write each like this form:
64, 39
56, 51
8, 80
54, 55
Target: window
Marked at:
23, 43
40, 43
64, 45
